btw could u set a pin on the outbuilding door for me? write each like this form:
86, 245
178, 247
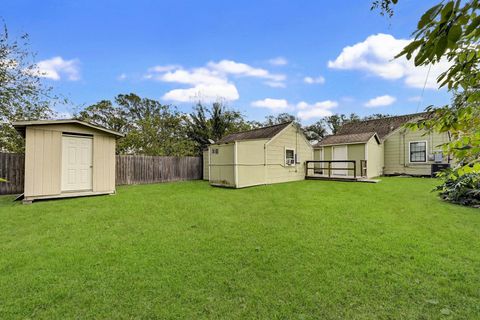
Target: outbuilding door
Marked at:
77, 163
339, 153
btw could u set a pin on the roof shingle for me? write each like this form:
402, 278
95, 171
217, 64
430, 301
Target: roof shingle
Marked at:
382, 126
259, 133
362, 131
346, 138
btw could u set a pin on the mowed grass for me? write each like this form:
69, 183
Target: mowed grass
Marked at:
301, 250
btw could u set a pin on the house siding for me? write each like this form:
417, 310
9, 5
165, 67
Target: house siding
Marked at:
397, 151
277, 171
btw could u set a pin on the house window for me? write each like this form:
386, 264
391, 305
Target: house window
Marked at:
214, 151
289, 157
418, 151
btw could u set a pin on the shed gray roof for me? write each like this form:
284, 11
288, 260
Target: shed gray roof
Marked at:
259, 133
346, 138
21, 125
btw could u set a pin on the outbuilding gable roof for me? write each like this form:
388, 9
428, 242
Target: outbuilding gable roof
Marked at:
382, 126
347, 138
21, 125
259, 133
362, 131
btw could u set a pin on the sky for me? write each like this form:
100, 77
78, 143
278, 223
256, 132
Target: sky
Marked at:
308, 58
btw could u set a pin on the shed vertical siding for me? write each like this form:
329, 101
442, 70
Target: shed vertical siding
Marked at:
355, 152
222, 165
251, 163
103, 163
206, 165
396, 146
375, 158
42, 162
327, 153
277, 171
43, 159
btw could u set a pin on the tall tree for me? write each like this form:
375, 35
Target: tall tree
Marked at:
205, 124
316, 131
376, 116
280, 118
335, 121
22, 93
150, 128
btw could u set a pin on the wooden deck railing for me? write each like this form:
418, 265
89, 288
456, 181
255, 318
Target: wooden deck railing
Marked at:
329, 167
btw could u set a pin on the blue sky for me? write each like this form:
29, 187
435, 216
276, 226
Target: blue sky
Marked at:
309, 58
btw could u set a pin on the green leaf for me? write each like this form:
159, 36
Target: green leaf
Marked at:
441, 46
454, 33
473, 26
428, 16
412, 46
447, 11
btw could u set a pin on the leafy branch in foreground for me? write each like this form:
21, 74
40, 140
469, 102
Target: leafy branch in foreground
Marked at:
450, 32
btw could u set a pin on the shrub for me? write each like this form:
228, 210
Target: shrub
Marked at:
461, 188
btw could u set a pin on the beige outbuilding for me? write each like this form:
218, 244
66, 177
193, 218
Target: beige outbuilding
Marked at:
386, 147
67, 158
261, 156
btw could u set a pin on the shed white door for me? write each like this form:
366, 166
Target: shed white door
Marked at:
77, 163
339, 153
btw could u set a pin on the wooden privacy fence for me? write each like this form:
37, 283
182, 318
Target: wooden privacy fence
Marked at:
12, 167
130, 170
149, 169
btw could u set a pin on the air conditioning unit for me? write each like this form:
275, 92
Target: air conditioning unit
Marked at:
290, 162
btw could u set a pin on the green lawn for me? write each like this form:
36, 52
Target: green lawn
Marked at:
302, 250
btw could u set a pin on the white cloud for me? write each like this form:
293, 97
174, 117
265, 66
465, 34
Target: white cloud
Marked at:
317, 80
415, 99
194, 77
305, 111
376, 55
165, 68
57, 68
273, 104
278, 61
242, 69
315, 110
380, 101
122, 77
210, 82
275, 84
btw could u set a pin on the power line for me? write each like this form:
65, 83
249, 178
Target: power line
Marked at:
423, 90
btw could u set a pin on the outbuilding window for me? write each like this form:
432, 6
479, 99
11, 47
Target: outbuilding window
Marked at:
289, 157
418, 151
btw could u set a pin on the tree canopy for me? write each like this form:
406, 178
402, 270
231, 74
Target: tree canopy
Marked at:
22, 93
150, 127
